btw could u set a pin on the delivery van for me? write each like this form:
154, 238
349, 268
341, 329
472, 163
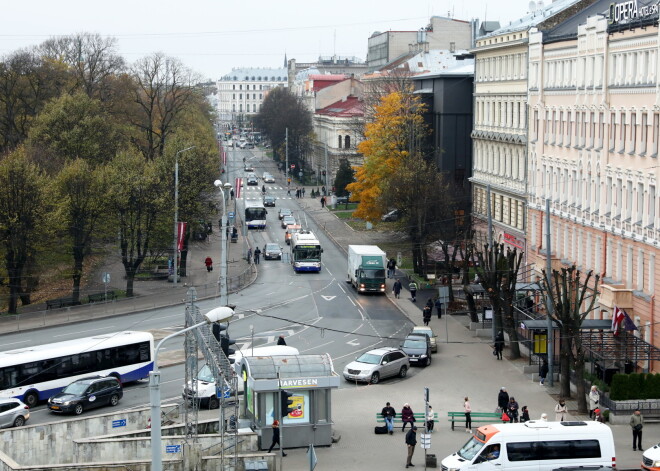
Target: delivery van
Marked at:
537, 445
651, 458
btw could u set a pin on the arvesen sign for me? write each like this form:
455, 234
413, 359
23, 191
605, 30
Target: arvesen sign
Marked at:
624, 12
299, 383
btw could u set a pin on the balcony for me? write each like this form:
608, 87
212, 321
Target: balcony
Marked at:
616, 295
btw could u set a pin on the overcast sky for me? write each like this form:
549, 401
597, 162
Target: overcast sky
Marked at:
214, 36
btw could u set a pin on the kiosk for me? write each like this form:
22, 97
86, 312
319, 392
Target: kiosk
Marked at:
308, 378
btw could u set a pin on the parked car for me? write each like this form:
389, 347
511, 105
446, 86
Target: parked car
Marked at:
377, 364
344, 200
87, 393
284, 212
13, 413
427, 331
418, 349
272, 251
288, 220
269, 201
392, 216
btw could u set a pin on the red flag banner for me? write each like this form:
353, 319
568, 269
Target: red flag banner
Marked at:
617, 317
238, 188
181, 232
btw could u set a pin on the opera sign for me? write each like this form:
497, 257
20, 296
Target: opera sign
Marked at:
624, 12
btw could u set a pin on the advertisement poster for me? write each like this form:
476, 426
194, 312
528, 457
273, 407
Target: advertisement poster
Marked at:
300, 414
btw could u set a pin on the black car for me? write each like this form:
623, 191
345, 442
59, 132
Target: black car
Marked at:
418, 349
87, 393
269, 201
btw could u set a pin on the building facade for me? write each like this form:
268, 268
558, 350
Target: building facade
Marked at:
594, 129
242, 91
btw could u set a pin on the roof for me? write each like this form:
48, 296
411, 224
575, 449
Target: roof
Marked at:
350, 107
321, 81
433, 61
289, 366
568, 28
533, 18
257, 74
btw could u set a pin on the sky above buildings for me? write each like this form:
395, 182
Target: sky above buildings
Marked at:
213, 36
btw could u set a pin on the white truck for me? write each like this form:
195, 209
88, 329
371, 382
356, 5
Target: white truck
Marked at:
366, 268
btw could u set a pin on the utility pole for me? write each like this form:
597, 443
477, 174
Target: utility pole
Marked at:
327, 173
549, 306
286, 155
490, 245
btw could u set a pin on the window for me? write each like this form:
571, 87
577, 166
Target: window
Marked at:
656, 125
644, 136
622, 133
629, 200
651, 203
347, 142
640, 203
633, 133
240, 96
601, 129
619, 198
553, 450
612, 131
608, 196
339, 142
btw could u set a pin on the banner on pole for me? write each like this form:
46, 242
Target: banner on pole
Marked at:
180, 236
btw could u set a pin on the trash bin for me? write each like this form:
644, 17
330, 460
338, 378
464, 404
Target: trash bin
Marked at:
431, 461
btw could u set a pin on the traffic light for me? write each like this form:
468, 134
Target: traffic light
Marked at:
286, 403
223, 338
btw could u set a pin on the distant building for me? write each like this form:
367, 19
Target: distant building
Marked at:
327, 65
440, 33
242, 91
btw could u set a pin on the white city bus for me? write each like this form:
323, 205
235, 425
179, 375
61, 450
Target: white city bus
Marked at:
305, 252
33, 374
255, 215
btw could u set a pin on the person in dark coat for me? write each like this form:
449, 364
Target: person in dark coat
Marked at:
391, 268
276, 436
209, 264
438, 307
512, 410
257, 255
407, 416
499, 344
281, 341
396, 289
543, 371
388, 414
426, 314
411, 442
503, 399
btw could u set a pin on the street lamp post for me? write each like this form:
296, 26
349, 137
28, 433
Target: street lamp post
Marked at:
176, 214
219, 314
223, 235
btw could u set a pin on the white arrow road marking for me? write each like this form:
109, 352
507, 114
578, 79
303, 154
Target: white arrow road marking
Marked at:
353, 342
328, 298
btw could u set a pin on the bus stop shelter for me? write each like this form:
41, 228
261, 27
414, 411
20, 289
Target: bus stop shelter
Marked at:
309, 378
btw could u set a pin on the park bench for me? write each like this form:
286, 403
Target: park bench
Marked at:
481, 417
61, 302
101, 297
419, 417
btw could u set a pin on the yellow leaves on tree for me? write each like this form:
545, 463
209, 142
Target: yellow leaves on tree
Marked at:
389, 138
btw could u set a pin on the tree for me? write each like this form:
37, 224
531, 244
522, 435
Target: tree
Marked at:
389, 139
345, 175
467, 255
280, 111
135, 198
24, 213
81, 202
72, 127
573, 299
498, 274
163, 88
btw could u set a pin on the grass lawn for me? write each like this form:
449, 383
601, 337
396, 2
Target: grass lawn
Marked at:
345, 215
344, 207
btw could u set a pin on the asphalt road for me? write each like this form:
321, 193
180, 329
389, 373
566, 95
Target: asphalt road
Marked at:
317, 312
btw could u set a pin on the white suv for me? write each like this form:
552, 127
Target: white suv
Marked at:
13, 413
377, 364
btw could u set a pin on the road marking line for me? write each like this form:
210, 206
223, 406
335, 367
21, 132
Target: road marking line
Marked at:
82, 331
349, 298
353, 342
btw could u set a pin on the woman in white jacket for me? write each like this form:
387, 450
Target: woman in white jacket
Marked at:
594, 399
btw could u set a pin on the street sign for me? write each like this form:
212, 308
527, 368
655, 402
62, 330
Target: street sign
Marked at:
106, 277
293, 165
173, 449
312, 458
119, 423
300, 174
425, 440
231, 214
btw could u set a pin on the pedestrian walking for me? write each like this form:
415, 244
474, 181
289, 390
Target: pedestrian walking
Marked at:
512, 409
276, 436
426, 314
560, 410
209, 264
263, 189
281, 341
407, 416
637, 424
430, 420
413, 291
391, 267
502, 399
257, 255
322, 202
524, 414
467, 408
543, 371
594, 398
396, 289
598, 416
249, 256
411, 442
288, 191
388, 414
323, 190
231, 194
499, 344
303, 191
438, 307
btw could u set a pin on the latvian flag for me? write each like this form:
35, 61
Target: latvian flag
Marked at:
617, 318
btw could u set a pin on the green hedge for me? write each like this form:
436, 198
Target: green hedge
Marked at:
635, 386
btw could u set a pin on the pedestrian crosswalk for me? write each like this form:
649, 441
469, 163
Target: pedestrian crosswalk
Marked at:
254, 192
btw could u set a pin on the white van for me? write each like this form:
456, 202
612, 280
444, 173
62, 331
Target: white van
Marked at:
651, 458
537, 445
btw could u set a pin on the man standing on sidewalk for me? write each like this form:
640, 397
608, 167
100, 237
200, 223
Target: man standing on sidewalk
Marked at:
257, 255
637, 424
411, 442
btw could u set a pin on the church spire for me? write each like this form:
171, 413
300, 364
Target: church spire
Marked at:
286, 62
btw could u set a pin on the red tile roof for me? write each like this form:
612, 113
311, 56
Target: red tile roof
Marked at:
321, 81
344, 109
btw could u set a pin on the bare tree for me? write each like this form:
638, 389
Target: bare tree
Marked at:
164, 87
572, 300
